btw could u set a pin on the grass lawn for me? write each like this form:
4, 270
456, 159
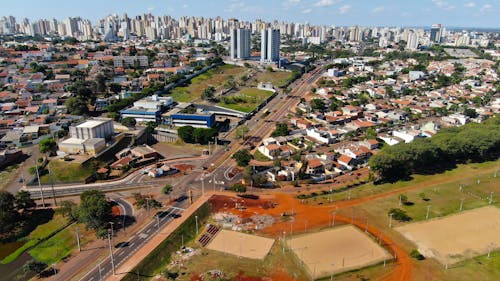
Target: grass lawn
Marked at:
39, 233
63, 171
7, 175
214, 77
249, 99
61, 245
278, 78
463, 174
260, 157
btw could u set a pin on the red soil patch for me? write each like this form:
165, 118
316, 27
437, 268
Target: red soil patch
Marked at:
116, 210
183, 167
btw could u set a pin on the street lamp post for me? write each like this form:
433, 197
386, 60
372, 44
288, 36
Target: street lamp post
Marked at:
111, 254
196, 221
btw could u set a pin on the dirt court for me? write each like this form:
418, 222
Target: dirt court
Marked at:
457, 237
336, 250
241, 244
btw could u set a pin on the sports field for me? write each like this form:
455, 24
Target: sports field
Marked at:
336, 250
456, 237
241, 244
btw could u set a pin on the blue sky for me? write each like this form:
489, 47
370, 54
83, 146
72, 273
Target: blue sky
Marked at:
463, 13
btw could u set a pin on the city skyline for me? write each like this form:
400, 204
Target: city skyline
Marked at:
463, 13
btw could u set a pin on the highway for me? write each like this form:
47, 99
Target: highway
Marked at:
123, 250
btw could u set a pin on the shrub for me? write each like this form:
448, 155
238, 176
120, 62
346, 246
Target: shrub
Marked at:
416, 255
399, 215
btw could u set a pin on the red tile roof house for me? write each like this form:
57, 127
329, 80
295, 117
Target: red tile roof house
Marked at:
315, 167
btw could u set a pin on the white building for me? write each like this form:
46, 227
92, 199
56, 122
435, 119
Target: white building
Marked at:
270, 45
240, 43
88, 137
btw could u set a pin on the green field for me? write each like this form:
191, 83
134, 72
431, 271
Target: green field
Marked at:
214, 77
278, 78
260, 157
463, 174
61, 245
63, 171
246, 100
41, 232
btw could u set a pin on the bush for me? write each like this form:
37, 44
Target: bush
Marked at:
416, 255
238, 187
167, 189
399, 215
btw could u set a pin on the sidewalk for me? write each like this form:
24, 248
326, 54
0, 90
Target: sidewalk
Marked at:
142, 253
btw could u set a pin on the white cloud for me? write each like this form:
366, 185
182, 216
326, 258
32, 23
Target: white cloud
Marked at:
150, 9
306, 11
185, 6
324, 3
344, 9
235, 5
470, 4
442, 4
378, 9
485, 8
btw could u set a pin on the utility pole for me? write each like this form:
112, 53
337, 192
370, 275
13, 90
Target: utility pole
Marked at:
39, 184
390, 220
52, 185
111, 254
427, 215
203, 184
461, 204
213, 174
491, 198
158, 222
196, 221
78, 239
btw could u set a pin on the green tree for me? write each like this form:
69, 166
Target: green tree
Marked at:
186, 133
47, 145
399, 215
281, 130
167, 189
77, 106
318, 104
242, 157
34, 266
24, 201
128, 122
8, 213
115, 88
94, 210
69, 209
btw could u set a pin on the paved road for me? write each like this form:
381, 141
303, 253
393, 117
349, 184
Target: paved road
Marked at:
123, 250
134, 180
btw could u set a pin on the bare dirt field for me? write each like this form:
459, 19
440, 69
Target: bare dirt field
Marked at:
241, 244
457, 237
336, 250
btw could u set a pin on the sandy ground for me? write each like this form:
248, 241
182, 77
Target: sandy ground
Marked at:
336, 250
241, 244
456, 237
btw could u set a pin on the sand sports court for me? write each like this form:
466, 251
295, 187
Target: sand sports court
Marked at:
336, 250
241, 244
456, 237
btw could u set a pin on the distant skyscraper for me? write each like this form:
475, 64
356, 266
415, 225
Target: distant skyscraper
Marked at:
240, 43
270, 45
436, 33
412, 42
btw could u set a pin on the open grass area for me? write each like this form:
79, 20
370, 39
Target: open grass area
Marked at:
278, 78
64, 171
214, 77
260, 157
40, 233
246, 100
61, 245
463, 174
7, 175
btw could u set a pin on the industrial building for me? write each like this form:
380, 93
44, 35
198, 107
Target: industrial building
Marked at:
88, 137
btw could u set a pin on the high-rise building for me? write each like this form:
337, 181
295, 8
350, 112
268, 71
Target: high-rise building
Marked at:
240, 43
436, 33
270, 45
412, 42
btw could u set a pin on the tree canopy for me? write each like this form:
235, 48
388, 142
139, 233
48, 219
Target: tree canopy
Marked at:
94, 210
242, 157
471, 142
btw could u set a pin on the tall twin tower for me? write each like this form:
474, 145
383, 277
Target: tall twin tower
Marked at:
269, 46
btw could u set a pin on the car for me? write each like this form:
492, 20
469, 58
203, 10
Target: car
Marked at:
122, 245
21, 180
204, 168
